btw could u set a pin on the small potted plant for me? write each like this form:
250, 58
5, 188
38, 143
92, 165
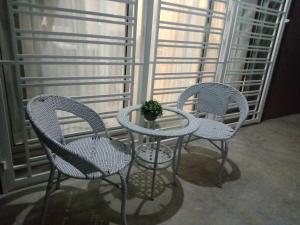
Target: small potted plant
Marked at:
151, 110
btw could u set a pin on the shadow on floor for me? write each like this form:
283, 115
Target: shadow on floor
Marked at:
99, 204
200, 166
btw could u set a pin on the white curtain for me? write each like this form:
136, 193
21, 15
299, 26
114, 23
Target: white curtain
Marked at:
196, 53
59, 48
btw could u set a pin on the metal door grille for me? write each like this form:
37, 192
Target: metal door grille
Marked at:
100, 79
191, 53
256, 32
242, 56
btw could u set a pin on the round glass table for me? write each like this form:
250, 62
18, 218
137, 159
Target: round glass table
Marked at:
151, 154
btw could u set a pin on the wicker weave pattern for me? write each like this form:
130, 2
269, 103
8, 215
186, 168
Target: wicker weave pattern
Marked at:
109, 156
75, 159
152, 161
45, 106
213, 130
214, 98
86, 158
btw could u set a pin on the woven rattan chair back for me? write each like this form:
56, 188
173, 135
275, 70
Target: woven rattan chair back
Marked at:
79, 160
214, 98
41, 113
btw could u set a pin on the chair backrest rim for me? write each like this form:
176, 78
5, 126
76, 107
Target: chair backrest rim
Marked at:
239, 98
53, 145
100, 128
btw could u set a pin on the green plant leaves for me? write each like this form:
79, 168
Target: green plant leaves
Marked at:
152, 107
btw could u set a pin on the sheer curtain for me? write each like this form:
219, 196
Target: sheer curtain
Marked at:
189, 59
60, 76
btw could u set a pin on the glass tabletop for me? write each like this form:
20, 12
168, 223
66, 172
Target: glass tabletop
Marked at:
168, 121
173, 123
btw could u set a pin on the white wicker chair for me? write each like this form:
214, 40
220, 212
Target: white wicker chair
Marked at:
214, 98
94, 157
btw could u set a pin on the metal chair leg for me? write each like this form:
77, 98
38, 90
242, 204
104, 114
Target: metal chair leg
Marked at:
186, 143
124, 199
132, 156
155, 167
179, 154
48, 191
129, 169
57, 187
174, 165
224, 146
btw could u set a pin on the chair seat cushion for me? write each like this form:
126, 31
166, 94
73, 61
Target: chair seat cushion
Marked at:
213, 130
109, 155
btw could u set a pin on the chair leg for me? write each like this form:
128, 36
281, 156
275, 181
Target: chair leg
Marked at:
174, 165
48, 191
179, 154
124, 199
224, 147
129, 169
186, 143
57, 187
132, 156
155, 167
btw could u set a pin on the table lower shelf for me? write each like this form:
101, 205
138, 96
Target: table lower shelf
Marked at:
145, 155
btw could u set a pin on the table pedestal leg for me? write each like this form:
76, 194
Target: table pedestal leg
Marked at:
155, 167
